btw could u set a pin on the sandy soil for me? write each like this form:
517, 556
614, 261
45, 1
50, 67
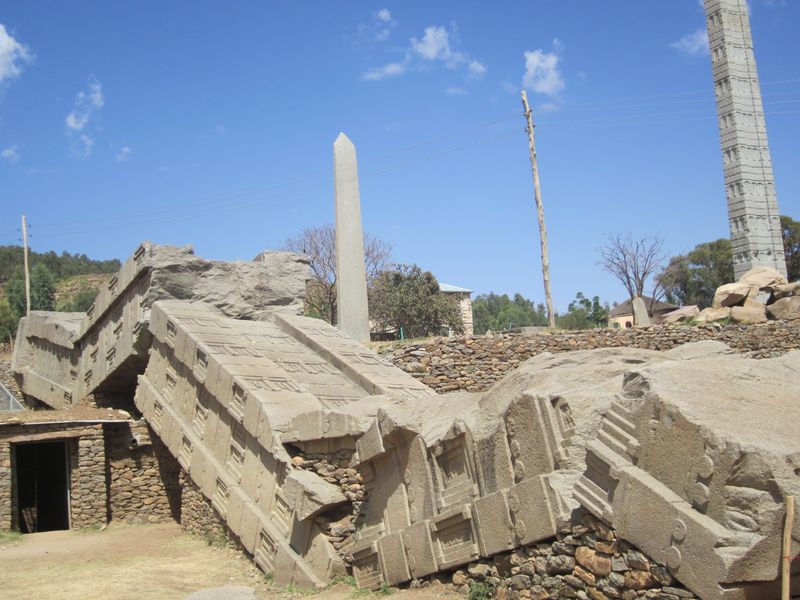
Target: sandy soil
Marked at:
137, 562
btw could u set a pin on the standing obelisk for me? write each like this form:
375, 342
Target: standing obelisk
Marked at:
749, 184
351, 272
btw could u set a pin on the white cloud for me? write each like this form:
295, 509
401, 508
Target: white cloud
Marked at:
88, 104
378, 73
542, 72
123, 155
379, 29
13, 55
437, 45
82, 146
476, 69
693, 44
10, 155
455, 91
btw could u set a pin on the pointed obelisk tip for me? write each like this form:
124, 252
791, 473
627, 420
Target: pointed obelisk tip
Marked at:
342, 139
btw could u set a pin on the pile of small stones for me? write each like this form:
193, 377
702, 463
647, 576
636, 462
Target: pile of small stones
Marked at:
335, 468
473, 364
589, 562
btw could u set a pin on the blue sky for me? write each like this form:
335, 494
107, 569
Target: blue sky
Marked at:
209, 124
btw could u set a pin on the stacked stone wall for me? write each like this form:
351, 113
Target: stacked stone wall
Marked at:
197, 515
335, 468
475, 363
144, 484
588, 561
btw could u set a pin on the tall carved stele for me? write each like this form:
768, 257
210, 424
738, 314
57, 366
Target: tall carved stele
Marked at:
351, 272
749, 184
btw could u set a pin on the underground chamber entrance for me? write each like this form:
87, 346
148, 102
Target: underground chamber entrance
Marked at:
42, 486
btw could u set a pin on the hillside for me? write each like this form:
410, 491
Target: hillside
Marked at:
60, 265
64, 282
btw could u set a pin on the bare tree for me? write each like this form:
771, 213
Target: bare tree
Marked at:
319, 243
635, 263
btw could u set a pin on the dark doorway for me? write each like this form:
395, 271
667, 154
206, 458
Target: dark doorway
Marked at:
42, 486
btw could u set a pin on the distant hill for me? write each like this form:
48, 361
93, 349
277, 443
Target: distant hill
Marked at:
60, 265
64, 282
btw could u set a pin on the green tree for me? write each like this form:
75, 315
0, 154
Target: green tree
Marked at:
43, 289
8, 322
409, 298
15, 293
80, 301
583, 313
497, 313
694, 277
790, 229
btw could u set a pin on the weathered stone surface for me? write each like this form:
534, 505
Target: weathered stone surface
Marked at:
710, 314
641, 316
592, 561
752, 312
682, 314
787, 309
787, 290
762, 278
732, 294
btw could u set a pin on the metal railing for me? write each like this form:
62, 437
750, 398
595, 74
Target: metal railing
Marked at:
7, 401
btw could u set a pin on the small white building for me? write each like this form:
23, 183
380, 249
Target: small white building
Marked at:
464, 302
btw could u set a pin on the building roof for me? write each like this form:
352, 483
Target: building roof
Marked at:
452, 289
624, 309
78, 414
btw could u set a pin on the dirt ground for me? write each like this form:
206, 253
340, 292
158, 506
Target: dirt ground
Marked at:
141, 562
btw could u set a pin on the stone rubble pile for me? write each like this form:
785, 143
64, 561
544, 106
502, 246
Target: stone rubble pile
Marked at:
473, 364
760, 294
587, 561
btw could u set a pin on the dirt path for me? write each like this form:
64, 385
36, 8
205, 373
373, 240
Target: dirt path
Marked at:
130, 562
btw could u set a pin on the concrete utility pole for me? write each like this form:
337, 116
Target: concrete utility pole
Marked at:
27, 270
537, 192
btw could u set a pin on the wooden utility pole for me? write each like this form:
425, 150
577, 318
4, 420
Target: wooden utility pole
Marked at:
786, 554
537, 192
27, 270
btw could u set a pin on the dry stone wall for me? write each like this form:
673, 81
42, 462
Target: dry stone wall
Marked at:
475, 363
587, 560
197, 514
144, 484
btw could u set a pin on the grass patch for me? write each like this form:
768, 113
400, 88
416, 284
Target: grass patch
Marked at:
298, 591
480, 591
7, 537
384, 590
216, 539
347, 580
